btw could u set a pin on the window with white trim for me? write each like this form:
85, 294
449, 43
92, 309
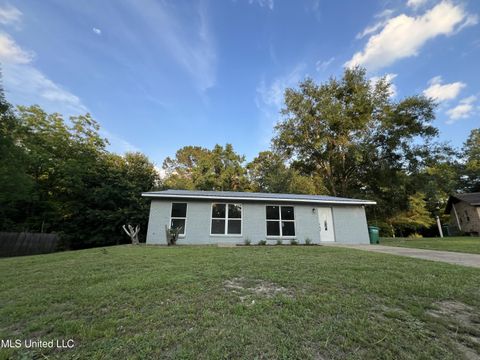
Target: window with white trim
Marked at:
280, 221
226, 219
178, 217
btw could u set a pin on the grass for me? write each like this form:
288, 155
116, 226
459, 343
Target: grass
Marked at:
248, 302
458, 244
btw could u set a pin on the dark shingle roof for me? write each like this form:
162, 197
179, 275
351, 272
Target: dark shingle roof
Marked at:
471, 199
254, 196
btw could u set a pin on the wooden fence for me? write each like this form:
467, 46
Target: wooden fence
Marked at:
17, 244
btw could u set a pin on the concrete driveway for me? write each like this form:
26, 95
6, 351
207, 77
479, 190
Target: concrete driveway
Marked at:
450, 257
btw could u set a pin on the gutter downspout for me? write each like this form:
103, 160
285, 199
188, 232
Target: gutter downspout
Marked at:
456, 217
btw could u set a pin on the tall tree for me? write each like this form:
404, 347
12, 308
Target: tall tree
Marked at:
471, 156
76, 187
415, 217
199, 168
16, 182
269, 173
343, 128
351, 133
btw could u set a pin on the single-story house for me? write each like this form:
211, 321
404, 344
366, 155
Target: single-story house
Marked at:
213, 217
464, 210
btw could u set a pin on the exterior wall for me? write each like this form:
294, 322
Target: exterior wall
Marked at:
468, 226
349, 223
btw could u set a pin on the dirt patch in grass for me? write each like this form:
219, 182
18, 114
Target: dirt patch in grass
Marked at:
462, 322
247, 288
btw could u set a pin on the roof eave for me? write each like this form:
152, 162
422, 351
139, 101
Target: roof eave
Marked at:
266, 199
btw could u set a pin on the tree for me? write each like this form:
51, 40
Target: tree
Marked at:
199, 168
362, 143
268, 173
61, 162
471, 167
344, 128
16, 183
77, 188
415, 217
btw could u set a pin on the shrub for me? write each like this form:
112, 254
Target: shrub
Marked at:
415, 236
293, 242
262, 242
172, 235
308, 241
247, 242
279, 242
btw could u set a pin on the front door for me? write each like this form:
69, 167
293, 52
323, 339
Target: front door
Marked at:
325, 219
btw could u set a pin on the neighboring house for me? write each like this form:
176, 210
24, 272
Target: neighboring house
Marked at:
213, 217
464, 210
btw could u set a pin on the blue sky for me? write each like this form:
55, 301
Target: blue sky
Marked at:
159, 75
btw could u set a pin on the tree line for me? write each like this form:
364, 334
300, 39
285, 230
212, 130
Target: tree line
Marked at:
345, 137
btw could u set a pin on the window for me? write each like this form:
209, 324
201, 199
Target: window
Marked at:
226, 219
178, 217
466, 216
280, 221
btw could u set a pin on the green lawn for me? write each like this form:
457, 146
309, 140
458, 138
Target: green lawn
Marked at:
250, 302
459, 244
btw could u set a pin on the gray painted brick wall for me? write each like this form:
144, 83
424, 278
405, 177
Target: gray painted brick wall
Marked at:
349, 223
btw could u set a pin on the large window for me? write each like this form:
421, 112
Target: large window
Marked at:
280, 221
226, 219
178, 217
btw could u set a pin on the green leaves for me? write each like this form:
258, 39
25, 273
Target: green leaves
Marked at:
471, 153
350, 133
199, 168
60, 178
269, 173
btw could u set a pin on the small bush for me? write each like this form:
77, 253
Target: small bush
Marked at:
279, 242
247, 242
415, 236
293, 242
308, 241
262, 242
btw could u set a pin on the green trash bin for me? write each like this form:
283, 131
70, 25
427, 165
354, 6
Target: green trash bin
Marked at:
445, 230
373, 232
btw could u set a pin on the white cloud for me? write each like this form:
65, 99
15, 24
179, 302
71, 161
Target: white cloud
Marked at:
463, 110
270, 99
263, 3
383, 17
389, 78
10, 15
416, 3
11, 53
118, 144
272, 94
27, 85
160, 171
403, 36
97, 31
370, 29
323, 65
190, 44
443, 92
387, 13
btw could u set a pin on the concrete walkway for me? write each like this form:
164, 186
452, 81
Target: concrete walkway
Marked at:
450, 257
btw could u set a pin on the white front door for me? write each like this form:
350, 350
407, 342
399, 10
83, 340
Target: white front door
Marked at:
325, 219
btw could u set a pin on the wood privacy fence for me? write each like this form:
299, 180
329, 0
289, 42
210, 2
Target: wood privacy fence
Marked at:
17, 244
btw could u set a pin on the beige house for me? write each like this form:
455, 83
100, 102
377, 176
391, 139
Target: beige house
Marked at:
464, 210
